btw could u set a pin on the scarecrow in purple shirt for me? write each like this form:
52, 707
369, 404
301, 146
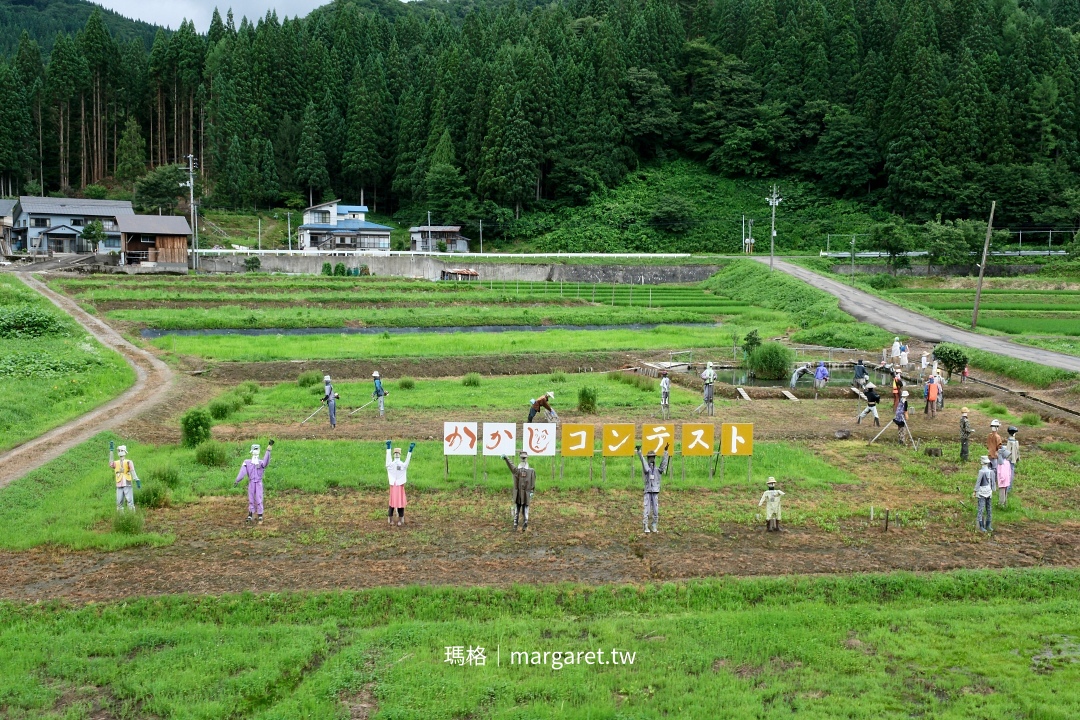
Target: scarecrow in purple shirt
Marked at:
253, 470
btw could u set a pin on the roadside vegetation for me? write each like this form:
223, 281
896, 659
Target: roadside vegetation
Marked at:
51, 370
730, 644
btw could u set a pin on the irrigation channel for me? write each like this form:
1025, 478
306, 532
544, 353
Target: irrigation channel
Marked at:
152, 333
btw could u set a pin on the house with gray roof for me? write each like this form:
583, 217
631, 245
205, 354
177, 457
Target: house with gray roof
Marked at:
47, 224
333, 226
6, 207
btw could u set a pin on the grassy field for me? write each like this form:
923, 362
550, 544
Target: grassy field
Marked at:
50, 369
288, 402
70, 501
958, 645
341, 346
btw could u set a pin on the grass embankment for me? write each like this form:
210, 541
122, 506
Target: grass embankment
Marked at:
858, 647
341, 347
815, 311
51, 370
680, 206
289, 402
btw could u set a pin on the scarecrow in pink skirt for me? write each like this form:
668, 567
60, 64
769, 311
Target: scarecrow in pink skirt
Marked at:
1004, 475
396, 470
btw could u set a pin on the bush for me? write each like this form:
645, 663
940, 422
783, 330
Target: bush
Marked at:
327, 269
212, 454
771, 361
252, 264
27, 321
883, 281
1031, 419
558, 377
471, 380
152, 495
406, 383
95, 192
586, 400
248, 387
195, 427
169, 476
339, 270
220, 409
309, 378
952, 357
128, 522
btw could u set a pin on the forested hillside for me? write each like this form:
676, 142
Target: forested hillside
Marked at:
918, 107
43, 19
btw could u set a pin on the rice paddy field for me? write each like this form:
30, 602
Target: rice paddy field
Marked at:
1007, 310
877, 600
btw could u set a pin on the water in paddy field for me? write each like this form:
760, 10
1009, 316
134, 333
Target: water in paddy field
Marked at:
151, 333
838, 377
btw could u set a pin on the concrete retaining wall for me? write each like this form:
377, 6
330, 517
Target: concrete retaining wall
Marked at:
430, 268
934, 270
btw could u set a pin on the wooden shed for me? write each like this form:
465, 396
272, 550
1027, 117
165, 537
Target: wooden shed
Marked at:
154, 238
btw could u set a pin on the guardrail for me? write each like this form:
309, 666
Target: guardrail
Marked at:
417, 253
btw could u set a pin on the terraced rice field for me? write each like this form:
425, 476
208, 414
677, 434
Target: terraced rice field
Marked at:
1012, 311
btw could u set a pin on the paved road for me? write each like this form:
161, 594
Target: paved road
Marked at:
872, 309
153, 379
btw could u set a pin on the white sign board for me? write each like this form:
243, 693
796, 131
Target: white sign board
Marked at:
500, 439
538, 438
459, 438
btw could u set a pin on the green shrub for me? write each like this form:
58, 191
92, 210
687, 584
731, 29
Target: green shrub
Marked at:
195, 427
406, 383
27, 321
339, 270
558, 377
586, 399
309, 378
252, 263
128, 522
327, 269
1031, 419
169, 476
645, 383
883, 281
771, 361
95, 192
152, 495
471, 380
248, 387
220, 408
751, 342
952, 357
992, 408
212, 454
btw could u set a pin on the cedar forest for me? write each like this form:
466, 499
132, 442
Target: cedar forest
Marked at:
924, 108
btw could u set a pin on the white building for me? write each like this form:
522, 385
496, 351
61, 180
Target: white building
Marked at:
426, 238
333, 226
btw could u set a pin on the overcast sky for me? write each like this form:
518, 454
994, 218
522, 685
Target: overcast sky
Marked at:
171, 13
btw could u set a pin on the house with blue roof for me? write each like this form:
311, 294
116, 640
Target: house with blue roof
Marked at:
333, 226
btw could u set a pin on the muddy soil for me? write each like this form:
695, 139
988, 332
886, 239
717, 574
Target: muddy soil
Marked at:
464, 537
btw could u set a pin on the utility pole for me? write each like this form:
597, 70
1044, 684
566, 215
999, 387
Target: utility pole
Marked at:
982, 265
773, 200
260, 233
193, 164
429, 230
853, 260
289, 233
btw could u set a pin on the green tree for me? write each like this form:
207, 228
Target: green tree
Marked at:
892, 239
846, 154
447, 195
311, 161
93, 234
131, 153
159, 189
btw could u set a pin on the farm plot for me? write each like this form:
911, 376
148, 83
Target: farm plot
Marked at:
271, 302
1015, 312
884, 646
50, 369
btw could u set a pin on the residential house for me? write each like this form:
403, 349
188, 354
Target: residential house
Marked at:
426, 238
333, 226
47, 224
154, 239
6, 207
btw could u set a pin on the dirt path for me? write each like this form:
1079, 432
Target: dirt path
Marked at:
342, 541
152, 384
892, 317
